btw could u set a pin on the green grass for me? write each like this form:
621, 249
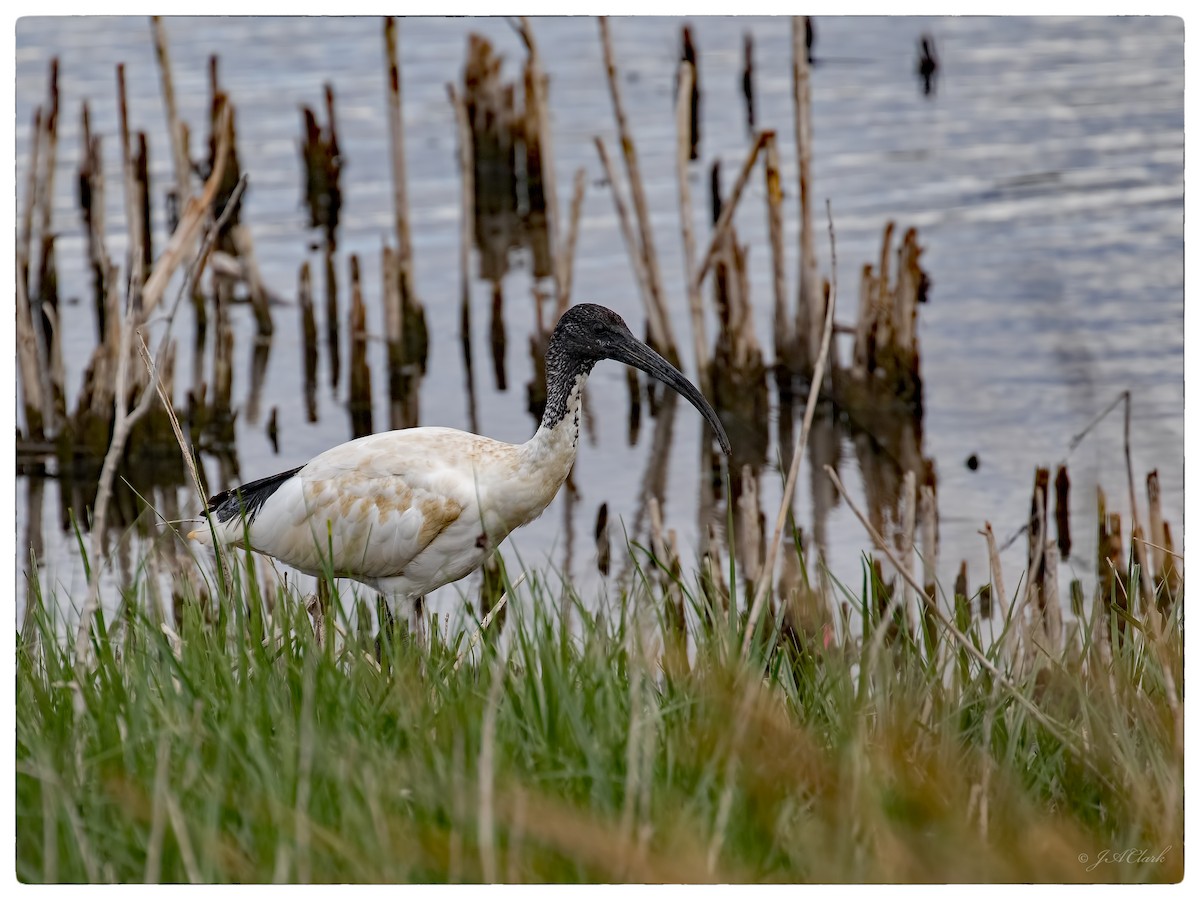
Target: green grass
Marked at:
238, 750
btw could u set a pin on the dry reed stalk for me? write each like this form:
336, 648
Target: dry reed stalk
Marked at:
25, 234
244, 245
361, 419
638, 193
190, 222
91, 201
399, 176
808, 320
1144, 579
996, 579
727, 210
179, 152
688, 58
810, 408
659, 333
539, 111
1157, 537
748, 80
35, 389
1052, 622
133, 200
748, 530
906, 546
928, 514
695, 301
1038, 519
1062, 511
466, 171
774, 185
45, 296
32, 394
308, 328
567, 250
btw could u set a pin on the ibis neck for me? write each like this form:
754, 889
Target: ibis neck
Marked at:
565, 377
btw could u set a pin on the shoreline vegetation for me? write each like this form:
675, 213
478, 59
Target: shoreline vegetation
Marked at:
248, 742
746, 717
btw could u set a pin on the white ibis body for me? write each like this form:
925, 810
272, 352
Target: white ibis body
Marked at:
408, 511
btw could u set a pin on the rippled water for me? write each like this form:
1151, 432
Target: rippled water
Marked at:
1045, 176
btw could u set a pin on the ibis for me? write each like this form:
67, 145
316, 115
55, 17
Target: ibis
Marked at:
405, 512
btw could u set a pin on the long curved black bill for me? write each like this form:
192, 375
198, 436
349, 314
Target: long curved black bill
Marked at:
634, 353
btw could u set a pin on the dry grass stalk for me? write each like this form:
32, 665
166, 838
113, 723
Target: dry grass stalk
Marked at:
682, 151
664, 337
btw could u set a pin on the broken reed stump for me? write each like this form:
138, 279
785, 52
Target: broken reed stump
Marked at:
689, 56
511, 163
308, 328
322, 169
885, 369
332, 328
748, 80
1168, 578
1112, 581
1035, 569
232, 173
407, 344
90, 196
361, 419
1062, 511
494, 121
603, 544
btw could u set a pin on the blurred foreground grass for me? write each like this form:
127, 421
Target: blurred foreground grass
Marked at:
234, 748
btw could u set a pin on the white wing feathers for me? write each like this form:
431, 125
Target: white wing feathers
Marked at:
371, 506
